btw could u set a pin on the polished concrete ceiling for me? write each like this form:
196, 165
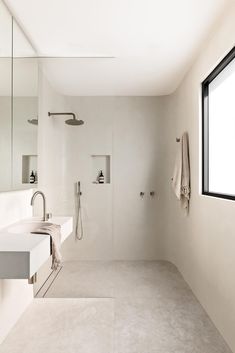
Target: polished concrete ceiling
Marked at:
149, 45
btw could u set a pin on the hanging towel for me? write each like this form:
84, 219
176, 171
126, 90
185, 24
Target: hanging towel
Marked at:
54, 231
181, 174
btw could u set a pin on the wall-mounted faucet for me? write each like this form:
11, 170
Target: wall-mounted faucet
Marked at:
45, 215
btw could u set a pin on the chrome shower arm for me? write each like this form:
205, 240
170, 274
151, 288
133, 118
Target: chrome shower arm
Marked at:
69, 113
73, 121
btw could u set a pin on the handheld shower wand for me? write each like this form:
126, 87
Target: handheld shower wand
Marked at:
78, 207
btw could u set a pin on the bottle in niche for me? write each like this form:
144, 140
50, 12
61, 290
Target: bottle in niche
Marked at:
101, 177
35, 177
32, 178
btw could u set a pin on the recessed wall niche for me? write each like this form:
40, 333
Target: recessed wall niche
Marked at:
29, 164
101, 163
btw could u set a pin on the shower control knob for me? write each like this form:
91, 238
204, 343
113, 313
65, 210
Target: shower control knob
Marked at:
141, 194
152, 193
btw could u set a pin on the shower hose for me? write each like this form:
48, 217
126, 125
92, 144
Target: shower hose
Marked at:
78, 205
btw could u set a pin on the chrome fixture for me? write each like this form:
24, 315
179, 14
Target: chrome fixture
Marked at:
78, 212
74, 121
48, 216
33, 279
152, 193
141, 194
33, 121
45, 215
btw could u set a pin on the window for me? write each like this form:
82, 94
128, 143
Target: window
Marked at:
218, 128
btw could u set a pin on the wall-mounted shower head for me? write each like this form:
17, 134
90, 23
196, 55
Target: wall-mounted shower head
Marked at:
33, 121
74, 121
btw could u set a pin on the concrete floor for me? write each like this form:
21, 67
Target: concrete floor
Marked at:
116, 307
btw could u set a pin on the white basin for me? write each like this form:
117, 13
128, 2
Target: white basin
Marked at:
21, 255
22, 252
27, 227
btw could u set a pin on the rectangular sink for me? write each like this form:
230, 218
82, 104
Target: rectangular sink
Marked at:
27, 227
23, 253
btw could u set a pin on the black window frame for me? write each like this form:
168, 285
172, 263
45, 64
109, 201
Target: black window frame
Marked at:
205, 125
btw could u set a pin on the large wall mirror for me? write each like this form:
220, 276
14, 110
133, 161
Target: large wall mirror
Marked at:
5, 97
25, 111
18, 106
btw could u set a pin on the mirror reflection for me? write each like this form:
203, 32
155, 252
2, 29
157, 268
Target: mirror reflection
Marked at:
18, 106
25, 111
5, 97
25, 122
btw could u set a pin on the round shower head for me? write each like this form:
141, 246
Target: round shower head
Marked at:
33, 121
74, 122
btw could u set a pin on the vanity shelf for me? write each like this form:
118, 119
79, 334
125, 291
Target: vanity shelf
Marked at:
22, 253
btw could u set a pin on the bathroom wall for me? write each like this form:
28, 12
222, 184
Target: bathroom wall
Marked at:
15, 295
118, 223
201, 245
137, 166
51, 160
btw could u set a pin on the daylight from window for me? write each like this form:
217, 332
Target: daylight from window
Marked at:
222, 132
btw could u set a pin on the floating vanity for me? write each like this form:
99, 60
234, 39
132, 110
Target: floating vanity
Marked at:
22, 253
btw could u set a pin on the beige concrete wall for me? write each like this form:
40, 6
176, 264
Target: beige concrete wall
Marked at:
203, 244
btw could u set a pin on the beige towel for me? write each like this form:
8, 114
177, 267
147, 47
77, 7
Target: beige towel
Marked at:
54, 231
181, 174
